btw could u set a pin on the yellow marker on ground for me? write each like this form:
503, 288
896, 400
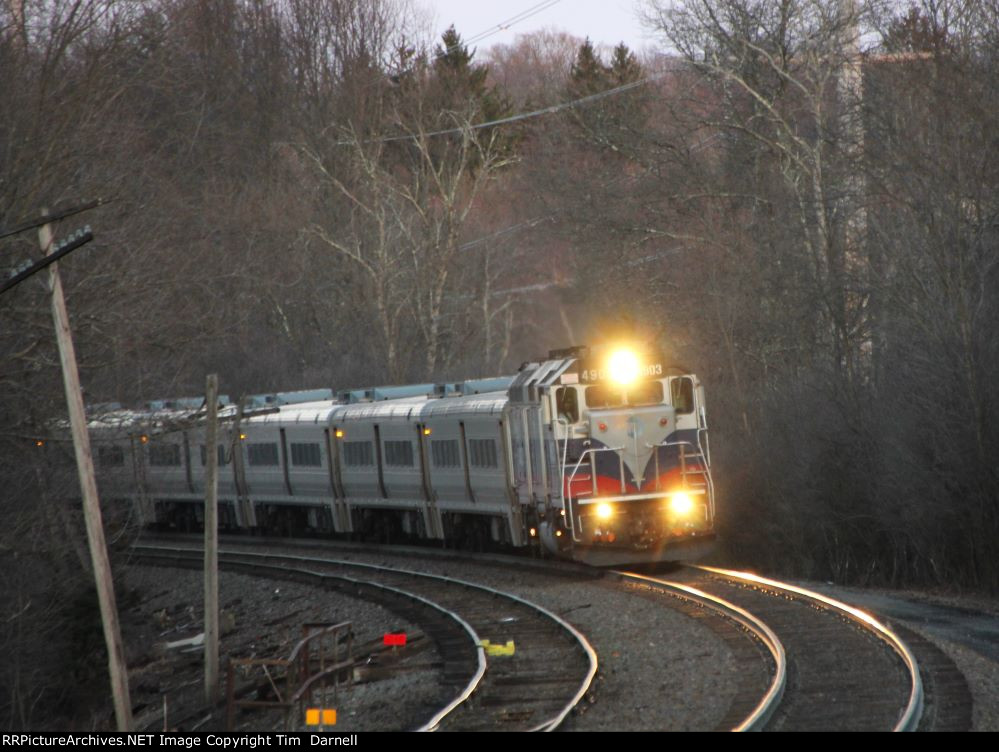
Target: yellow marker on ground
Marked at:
320, 717
492, 649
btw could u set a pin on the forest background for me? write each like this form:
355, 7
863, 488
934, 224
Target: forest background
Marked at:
796, 199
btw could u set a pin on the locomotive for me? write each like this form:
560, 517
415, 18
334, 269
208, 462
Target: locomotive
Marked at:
599, 455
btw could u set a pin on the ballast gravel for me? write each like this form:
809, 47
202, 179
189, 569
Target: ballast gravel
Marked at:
260, 618
659, 669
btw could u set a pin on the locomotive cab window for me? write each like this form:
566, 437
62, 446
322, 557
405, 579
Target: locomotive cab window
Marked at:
641, 393
567, 402
645, 393
682, 395
604, 396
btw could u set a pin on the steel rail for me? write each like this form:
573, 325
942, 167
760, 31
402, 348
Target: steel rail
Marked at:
765, 708
909, 720
460, 698
548, 725
591, 656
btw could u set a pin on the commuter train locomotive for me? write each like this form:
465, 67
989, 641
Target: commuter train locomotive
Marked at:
599, 455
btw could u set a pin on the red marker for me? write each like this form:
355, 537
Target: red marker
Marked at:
395, 639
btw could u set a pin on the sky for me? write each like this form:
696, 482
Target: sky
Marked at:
603, 21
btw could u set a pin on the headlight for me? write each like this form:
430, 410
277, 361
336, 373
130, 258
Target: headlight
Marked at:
681, 505
623, 366
605, 511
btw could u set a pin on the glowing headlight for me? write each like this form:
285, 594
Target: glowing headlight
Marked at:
623, 366
605, 511
681, 505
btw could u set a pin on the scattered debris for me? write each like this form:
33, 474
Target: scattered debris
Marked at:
187, 646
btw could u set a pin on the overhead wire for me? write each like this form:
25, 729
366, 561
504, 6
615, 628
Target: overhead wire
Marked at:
523, 15
538, 220
504, 231
518, 117
502, 25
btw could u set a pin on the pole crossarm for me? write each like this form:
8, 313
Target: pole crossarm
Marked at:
65, 249
47, 217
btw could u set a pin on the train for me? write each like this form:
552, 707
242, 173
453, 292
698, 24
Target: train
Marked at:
594, 454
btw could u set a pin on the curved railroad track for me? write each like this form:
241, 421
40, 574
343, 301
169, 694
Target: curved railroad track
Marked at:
752, 626
532, 687
804, 661
844, 668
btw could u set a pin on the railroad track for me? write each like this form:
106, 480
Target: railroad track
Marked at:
750, 711
829, 665
804, 661
544, 666
841, 668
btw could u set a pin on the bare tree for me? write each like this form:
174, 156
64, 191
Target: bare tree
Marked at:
372, 240
778, 68
536, 67
406, 225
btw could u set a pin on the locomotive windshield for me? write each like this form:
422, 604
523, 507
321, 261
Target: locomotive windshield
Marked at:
641, 393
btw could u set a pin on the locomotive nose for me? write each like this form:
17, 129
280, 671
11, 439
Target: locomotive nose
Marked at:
634, 432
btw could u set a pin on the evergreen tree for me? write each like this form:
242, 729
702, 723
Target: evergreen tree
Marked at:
589, 75
462, 85
607, 121
624, 67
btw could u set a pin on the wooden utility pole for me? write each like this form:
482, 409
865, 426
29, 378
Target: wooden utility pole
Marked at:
211, 541
91, 502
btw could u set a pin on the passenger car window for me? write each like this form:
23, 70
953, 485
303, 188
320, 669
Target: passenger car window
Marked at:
223, 459
445, 453
307, 455
164, 455
358, 453
262, 454
399, 453
111, 456
483, 453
